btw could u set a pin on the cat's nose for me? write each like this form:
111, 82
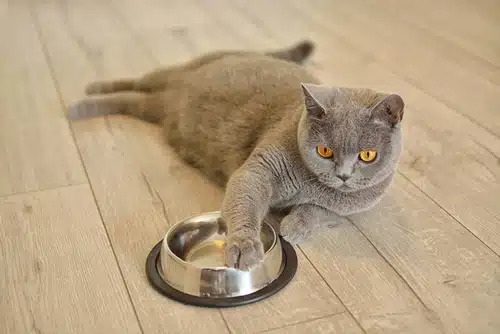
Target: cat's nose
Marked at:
343, 177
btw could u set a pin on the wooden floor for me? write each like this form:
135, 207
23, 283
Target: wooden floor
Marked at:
82, 204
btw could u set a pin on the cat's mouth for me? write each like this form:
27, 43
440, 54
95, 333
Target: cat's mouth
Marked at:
345, 188
337, 184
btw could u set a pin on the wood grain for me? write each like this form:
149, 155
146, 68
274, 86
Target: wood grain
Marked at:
36, 147
439, 72
478, 37
454, 274
60, 275
308, 297
369, 287
127, 194
407, 266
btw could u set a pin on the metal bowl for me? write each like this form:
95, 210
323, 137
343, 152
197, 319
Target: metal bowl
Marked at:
188, 265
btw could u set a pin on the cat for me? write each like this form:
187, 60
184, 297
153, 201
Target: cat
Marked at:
288, 149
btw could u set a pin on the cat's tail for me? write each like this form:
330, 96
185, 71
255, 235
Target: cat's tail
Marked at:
297, 53
140, 105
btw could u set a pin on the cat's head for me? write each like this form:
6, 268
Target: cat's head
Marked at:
350, 138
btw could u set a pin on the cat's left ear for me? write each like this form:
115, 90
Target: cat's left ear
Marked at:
389, 111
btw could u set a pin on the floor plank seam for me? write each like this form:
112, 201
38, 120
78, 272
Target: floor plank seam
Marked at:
487, 149
229, 330
448, 213
302, 322
424, 305
424, 285
28, 192
156, 62
445, 102
260, 24
332, 290
382, 64
440, 38
48, 61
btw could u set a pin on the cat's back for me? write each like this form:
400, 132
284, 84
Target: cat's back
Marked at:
241, 78
233, 102
237, 94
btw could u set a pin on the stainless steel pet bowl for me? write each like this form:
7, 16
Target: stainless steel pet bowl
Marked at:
188, 265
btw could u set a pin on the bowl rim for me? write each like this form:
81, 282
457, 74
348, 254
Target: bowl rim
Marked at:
218, 268
290, 263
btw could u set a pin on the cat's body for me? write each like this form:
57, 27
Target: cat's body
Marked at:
247, 122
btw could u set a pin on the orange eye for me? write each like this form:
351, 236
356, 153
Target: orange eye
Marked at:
324, 152
367, 156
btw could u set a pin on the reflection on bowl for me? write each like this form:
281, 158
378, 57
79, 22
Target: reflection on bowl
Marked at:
188, 265
192, 259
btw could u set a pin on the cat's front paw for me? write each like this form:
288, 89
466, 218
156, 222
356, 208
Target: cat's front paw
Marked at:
243, 251
295, 230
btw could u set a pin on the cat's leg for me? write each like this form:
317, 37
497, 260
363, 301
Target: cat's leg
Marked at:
246, 202
111, 86
150, 82
303, 220
155, 80
274, 219
143, 106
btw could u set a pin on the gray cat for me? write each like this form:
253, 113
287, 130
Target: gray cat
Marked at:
287, 149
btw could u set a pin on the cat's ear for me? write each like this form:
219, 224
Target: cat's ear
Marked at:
314, 98
389, 111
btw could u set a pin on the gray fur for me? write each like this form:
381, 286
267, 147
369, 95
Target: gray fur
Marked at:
252, 122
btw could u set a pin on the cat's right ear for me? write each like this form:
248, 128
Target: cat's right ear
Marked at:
312, 100
389, 111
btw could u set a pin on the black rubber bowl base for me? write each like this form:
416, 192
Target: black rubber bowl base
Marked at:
155, 279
